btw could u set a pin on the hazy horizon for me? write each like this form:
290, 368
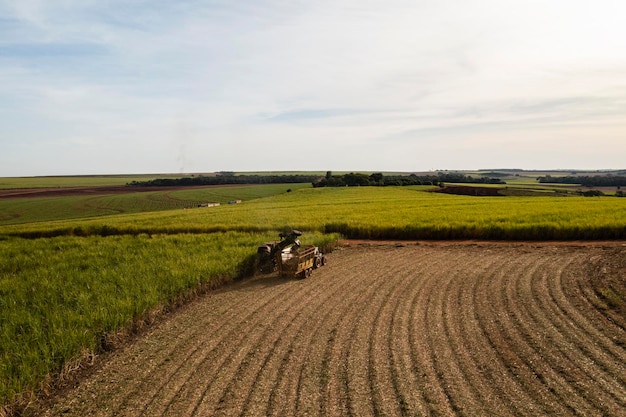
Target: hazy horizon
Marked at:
340, 171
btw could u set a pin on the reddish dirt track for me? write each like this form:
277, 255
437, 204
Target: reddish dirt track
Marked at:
388, 330
16, 193
70, 191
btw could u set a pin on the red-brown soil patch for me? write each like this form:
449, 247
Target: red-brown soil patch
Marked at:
475, 329
73, 191
91, 191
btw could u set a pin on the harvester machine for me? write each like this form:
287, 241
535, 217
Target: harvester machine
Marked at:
289, 257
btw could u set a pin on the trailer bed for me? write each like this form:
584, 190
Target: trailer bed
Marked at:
298, 262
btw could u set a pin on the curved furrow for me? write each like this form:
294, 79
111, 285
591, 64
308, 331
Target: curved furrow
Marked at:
161, 352
237, 394
348, 350
354, 335
179, 368
469, 392
440, 316
598, 266
603, 351
563, 356
166, 346
361, 395
281, 399
223, 348
470, 350
282, 352
318, 381
580, 351
175, 367
424, 357
330, 361
447, 364
171, 384
383, 370
395, 335
332, 358
408, 375
532, 339
517, 348
496, 360
217, 396
315, 377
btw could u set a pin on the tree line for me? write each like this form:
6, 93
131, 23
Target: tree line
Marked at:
225, 179
350, 180
378, 179
587, 180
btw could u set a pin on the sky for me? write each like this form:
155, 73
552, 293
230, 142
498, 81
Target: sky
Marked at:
135, 87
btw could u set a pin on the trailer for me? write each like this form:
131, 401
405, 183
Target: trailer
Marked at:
300, 262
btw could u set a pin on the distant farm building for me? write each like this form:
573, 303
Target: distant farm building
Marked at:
234, 202
208, 204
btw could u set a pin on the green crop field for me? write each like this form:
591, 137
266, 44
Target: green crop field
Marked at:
372, 212
66, 285
40, 209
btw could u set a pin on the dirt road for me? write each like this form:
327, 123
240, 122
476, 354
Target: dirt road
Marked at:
449, 330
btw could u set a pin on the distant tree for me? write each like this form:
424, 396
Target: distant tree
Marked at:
354, 179
377, 178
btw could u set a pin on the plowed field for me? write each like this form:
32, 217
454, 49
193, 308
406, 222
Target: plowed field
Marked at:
451, 330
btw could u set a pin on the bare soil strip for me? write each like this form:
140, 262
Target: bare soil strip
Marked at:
447, 330
15, 193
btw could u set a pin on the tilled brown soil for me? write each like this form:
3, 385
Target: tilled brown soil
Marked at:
450, 330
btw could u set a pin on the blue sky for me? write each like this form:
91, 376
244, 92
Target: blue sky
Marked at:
114, 87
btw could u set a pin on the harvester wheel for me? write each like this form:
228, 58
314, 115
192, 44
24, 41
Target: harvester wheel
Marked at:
317, 263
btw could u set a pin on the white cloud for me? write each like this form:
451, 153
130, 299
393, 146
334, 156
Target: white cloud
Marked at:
168, 86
